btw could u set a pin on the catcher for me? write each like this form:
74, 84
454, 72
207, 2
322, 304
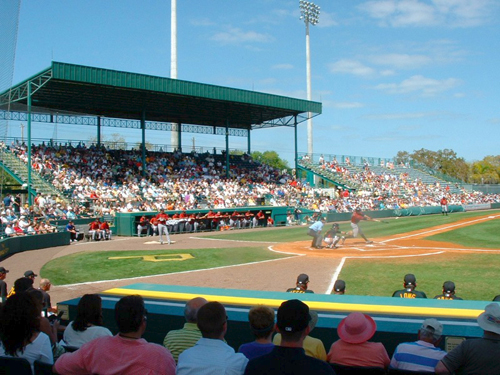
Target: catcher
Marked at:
333, 236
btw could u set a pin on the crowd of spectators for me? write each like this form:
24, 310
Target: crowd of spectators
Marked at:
284, 343
116, 181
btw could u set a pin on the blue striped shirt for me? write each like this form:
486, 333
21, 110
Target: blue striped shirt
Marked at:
416, 356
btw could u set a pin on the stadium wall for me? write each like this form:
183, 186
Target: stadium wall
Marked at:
13, 245
398, 320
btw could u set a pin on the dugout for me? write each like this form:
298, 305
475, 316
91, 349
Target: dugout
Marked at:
398, 320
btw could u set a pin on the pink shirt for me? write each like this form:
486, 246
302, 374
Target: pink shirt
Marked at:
116, 355
367, 354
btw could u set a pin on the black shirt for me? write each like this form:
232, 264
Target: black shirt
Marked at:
447, 296
406, 293
298, 290
287, 361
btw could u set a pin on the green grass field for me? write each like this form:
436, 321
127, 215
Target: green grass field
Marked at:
98, 266
473, 274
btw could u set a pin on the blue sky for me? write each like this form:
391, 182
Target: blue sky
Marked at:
392, 74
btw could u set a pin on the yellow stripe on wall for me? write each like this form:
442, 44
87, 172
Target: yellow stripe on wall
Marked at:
325, 306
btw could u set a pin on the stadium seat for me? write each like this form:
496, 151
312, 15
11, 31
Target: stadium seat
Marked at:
42, 368
14, 366
356, 370
393, 371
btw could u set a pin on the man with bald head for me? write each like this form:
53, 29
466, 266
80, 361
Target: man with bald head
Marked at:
181, 339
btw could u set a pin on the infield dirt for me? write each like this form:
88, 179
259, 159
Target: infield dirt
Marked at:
274, 275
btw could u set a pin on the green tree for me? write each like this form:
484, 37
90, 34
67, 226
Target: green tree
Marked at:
149, 146
115, 141
270, 158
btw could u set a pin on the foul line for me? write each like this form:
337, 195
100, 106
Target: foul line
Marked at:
342, 262
183, 272
222, 239
442, 228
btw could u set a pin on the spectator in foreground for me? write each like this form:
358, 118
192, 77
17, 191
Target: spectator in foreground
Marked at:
353, 348
181, 339
422, 355
312, 346
301, 285
497, 298
3, 284
87, 325
45, 285
261, 320
20, 334
289, 358
211, 355
409, 283
477, 356
125, 353
448, 291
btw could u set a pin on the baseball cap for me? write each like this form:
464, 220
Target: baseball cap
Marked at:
410, 279
302, 278
448, 288
339, 286
3, 270
489, 320
433, 326
30, 273
293, 316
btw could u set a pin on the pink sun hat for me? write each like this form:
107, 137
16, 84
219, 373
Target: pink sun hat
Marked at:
356, 328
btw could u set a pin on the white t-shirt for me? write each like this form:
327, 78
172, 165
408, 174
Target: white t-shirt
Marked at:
78, 338
40, 349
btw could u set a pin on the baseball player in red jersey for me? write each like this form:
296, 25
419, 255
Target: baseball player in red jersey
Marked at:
162, 226
444, 206
356, 217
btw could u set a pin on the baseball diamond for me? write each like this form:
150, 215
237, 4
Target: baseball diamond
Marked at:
324, 266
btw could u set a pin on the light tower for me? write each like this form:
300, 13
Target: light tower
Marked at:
309, 12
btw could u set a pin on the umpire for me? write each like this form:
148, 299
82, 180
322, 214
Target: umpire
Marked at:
315, 232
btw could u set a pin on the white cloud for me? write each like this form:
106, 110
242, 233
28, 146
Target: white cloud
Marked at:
344, 105
400, 116
282, 66
235, 35
451, 13
426, 86
401, 60
326, 20
202, 22
351, 67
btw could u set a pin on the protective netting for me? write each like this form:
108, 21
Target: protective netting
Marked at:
9, 23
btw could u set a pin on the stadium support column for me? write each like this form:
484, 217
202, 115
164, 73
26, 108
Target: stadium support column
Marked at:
227, 148
248, 141
295, 157
30, 197
98, 131
143, 143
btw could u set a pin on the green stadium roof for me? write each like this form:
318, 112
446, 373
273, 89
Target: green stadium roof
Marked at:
115, 94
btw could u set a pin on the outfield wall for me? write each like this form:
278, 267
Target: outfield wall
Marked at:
13, 245
398, 320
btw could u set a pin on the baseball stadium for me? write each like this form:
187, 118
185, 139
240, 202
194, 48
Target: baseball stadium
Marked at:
343, 233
